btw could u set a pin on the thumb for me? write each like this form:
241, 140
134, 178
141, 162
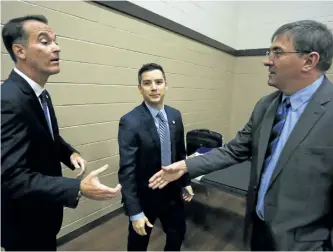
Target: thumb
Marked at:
148, 223
75, 163
100, 170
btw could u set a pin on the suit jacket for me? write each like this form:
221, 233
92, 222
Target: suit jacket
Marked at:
33, 191
140, 158
299, 201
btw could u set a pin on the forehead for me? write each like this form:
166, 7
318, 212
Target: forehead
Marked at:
283, 41
152, 75
35, 28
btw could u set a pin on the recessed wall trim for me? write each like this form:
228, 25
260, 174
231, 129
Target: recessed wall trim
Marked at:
136, 11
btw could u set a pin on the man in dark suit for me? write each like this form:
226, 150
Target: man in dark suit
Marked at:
289, 138
151, 136
33, 191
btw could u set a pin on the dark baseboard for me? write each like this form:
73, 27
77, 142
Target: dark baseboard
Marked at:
136, 11
84, 229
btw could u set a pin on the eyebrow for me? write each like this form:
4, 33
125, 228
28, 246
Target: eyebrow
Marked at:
47, 35
276, 48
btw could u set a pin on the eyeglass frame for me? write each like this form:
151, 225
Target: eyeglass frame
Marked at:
279, 53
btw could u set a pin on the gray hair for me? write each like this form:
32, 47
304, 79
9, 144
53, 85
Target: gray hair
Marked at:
310, 36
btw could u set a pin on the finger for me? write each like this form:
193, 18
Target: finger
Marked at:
82, 163
137, 230
155, 176
148, 223
143, 231
155, 183
100, 170
163, 185
75, 163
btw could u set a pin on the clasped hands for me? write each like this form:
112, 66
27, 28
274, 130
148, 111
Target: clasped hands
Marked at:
90, 186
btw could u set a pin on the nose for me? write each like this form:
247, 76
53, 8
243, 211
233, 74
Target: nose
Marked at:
268, 62
56, 47
153, 86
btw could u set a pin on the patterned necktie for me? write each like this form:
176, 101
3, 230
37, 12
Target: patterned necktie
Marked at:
164, 139
43, 100
280, 119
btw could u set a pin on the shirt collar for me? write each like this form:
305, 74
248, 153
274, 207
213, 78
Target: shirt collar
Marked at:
302, 96
154, 111
36, 87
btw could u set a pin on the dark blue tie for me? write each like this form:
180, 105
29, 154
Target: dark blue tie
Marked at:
164, 139
43, 97
279, 121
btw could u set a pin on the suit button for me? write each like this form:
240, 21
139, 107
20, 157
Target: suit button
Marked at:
255, 188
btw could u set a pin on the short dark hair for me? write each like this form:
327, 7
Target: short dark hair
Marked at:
13, 32
150, 67
310, 36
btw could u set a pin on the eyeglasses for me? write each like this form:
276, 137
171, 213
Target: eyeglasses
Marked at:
271, 54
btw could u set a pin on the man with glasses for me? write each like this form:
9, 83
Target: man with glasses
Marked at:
289, 138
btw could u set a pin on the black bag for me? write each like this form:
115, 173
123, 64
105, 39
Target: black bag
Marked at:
202, 138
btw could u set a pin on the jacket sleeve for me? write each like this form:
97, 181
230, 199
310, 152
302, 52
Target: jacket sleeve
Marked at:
236, 151
19, 181
128, 147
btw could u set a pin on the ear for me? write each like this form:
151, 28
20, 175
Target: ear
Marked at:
140, 88
166, 85
311, 61
19, 51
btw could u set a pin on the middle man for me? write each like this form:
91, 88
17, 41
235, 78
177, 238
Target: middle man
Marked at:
151, 136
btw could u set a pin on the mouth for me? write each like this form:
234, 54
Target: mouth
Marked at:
154, 95
55, 60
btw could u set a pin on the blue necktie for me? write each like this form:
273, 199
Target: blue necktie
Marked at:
280, 119
43, 97
164, 139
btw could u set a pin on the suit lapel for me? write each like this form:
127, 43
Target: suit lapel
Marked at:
33, 99
265, 132
150, 125
310, 116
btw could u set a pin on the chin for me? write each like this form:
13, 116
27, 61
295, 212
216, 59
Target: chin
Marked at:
54, 71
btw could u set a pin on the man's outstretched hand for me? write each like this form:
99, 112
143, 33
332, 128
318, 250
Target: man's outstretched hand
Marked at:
167, 174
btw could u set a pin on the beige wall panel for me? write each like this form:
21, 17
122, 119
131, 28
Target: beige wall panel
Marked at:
114, 19
6, 65
112, 162
77, 94
87, 219
91, 113
195, 106
194, 117
99, 150
85, 114
73, 27
90, 133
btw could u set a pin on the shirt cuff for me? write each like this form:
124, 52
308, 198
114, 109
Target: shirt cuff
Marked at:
137, 216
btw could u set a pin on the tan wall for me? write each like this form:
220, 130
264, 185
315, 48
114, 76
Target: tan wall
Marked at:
102, 51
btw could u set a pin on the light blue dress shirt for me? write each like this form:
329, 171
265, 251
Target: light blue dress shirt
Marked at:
298, 101
154, 113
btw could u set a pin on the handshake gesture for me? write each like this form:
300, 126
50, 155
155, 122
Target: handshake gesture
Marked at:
92, 188
167, 174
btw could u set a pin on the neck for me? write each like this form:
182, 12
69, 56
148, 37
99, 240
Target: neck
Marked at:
39, 78
301, 83
157, 106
